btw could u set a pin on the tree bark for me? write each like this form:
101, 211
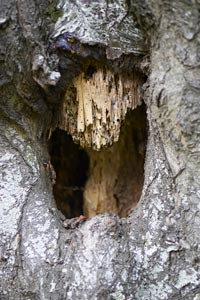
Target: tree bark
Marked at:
154, 252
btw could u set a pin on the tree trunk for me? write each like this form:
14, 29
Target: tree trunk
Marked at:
121, 79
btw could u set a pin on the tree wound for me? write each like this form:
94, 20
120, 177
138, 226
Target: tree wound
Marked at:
93, 182
98, 148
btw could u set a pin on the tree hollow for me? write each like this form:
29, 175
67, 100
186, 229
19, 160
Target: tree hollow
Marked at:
93, 182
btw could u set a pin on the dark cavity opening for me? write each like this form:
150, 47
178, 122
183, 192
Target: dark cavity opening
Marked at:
71, 165
90, 71
96, 182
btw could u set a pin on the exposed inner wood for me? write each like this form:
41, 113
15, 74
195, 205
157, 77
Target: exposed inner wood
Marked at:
96, 104
102, 112
109, 180
116, 174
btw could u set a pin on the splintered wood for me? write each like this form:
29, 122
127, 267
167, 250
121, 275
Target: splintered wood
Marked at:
95, 106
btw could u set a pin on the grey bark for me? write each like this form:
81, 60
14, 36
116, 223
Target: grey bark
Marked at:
152, 254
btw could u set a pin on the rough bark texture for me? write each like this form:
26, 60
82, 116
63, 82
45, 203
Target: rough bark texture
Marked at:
152, 254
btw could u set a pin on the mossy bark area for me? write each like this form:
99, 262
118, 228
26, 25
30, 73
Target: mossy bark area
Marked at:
153, 253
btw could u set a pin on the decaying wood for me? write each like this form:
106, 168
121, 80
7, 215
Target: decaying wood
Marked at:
94, 111
116, 174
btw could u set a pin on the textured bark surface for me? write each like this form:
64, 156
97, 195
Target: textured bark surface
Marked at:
152, 254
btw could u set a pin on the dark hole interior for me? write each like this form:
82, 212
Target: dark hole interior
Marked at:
117, 172
90, 71
71, 165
